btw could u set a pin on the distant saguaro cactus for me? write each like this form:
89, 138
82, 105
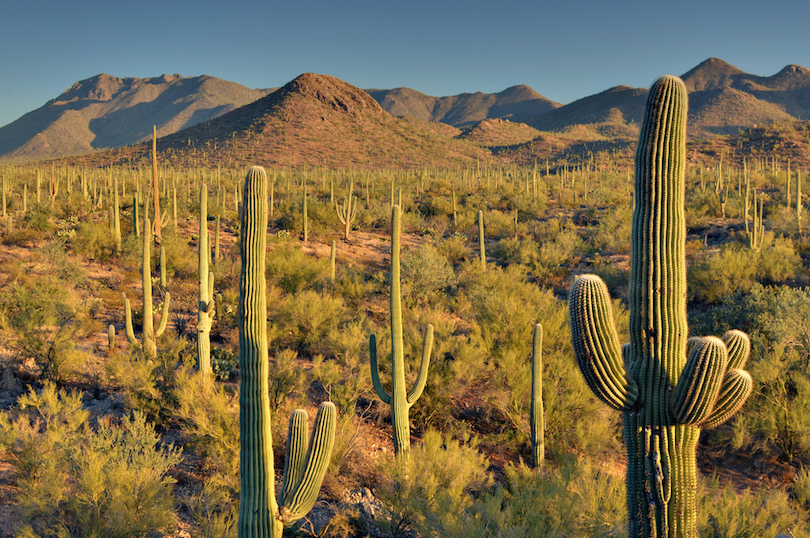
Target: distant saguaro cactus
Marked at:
260, 514
399, 400
667, 389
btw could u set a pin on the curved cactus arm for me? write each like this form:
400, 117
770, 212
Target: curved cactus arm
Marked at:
297, 445
734, 391
739, 348
128, 321
596, 344
164, 315
301, 498
419, 386
699, 383
375, 371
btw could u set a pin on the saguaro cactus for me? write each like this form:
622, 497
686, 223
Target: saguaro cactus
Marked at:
399, 401
667, 389
538, 426
205, 305
149, 333
260, 514
348, 211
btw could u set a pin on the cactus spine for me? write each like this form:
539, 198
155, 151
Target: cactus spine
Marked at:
205, 306
536, 411
666, 390
260, 514
399, 401
149, 333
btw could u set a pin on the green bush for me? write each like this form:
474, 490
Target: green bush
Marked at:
93, 241
77, 480
430, 491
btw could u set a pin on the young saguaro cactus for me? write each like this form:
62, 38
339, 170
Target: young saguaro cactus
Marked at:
149, 333
206, 308
667, 387
399, 401
261, 515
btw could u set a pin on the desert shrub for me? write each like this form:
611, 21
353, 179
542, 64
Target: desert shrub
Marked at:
38, 218
736, 267
181, 259
778, 322
65, 266
612, 235
149, 385
505, 308
430, 491
43, 323
78, 480
573, 501
209, 415
285, 378
733, 268
93, 241
424, 274
724, 513
306, 321
455, 248
513, 251
291, 269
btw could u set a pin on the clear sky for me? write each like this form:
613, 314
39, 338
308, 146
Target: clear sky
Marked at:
565, 50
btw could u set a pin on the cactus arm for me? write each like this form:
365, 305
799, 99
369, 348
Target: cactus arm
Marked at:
739, 348
128, 321
375, 372
596, 344
536, 409
419, 385
301, 498
735, 390
164, 315
699, 383
297, 445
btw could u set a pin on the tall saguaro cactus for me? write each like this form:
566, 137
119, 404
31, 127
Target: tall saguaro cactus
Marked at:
261, 515
149, 333
399, 401
205, 305
538, 424
667, 388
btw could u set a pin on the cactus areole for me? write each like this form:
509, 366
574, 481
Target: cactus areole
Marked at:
667, 387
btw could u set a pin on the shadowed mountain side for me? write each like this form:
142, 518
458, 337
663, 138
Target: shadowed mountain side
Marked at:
106, 111
514, 103
315, 120
726, 110
620, 105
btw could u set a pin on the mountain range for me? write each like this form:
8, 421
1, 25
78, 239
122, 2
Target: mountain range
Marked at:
347, 125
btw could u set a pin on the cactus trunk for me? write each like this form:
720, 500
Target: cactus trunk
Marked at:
205, 305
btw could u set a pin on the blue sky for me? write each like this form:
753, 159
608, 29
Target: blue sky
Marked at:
565, 50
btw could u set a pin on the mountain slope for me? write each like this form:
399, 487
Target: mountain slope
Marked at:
515, 103
105, 111
314, 120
